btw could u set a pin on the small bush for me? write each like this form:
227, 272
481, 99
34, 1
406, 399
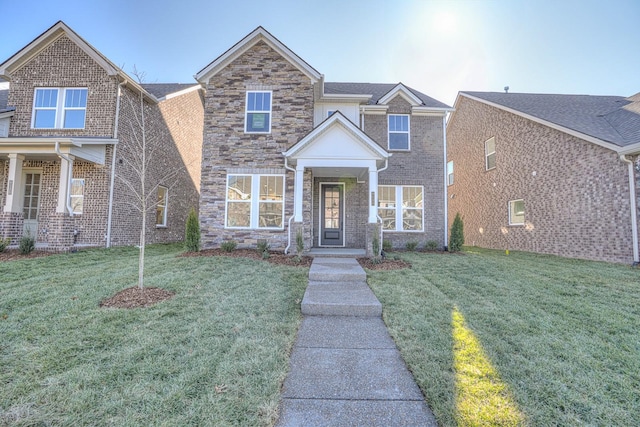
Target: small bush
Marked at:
412, 245
27, 243
299, 245
4, 243
431, 245
457, 234
375, 246
387, 246
228, 246
192, 232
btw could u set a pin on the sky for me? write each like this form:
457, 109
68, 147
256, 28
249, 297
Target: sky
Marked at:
437, 47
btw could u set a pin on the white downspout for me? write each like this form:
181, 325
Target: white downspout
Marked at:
113, 165
446, 184
69, 177
386, 165
286, 166
632, 200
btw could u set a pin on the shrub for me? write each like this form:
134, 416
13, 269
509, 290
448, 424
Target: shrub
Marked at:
375, 246
192, 232
412, 245
299, 245
27, 243
431, 245
228, 246
4, 243
457, 234
387, 246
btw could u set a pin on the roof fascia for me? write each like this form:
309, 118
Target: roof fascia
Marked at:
181, 92
547, 123
7, 114
344, 97
430, 111
402, 90
259, 34
374, 109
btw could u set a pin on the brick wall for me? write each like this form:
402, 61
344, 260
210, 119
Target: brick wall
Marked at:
422, 165
576, 193
226, 148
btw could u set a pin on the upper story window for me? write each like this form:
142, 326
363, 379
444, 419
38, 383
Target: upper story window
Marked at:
450, 173
258, 112
59, 108
398, 132
490, 153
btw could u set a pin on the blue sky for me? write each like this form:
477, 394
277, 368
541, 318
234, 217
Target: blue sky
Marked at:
437, 47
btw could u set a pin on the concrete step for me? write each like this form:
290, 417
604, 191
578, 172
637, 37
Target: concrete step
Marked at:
336, 270
340, 299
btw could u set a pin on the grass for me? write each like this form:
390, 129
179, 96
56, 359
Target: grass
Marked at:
534, 339
214, 354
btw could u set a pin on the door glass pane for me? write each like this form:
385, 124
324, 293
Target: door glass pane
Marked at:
332, 208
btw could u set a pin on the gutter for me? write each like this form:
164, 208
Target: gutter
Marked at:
386, 165
113, 165
286, 166
69, 177
446, 183
634, 213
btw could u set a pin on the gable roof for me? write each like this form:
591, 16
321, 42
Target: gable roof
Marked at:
604, 118
378, 92
164, 90
257, 35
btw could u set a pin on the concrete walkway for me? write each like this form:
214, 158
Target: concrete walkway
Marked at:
345, 368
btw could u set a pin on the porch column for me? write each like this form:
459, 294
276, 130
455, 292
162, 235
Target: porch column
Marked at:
373, 195
297, 200
14, 184
64, 186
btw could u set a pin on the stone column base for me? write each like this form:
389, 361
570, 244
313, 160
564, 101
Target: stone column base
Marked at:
11, 224
373, 232
61, 228
306, 236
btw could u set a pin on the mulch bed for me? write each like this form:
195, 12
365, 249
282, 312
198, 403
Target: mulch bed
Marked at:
274, 257
135, 297
14, 254
385, 264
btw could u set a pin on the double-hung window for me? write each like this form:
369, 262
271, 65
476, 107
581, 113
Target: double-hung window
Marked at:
161, 206
516, 212
258, 112
77, 195
490, 153
255, 201
59, 108
398, 132
401, 207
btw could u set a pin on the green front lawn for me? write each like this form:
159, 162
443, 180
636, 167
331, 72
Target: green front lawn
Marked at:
214, 354
519, 339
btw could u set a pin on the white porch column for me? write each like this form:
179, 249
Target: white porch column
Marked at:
14, 184
297, 200
64, 186
373, 195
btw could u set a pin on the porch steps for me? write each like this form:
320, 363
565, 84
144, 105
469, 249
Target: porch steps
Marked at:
336, 253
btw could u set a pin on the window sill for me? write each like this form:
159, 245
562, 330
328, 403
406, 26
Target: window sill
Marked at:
161, 226
405, 150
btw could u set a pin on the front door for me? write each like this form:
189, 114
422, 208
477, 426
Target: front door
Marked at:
31, 202
331, 215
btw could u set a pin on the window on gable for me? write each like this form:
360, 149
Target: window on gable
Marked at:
77, 195
161, 206
59, 108
450, 173
258, 112
404, 216
398, 132
255, 201
516, 212
490, 153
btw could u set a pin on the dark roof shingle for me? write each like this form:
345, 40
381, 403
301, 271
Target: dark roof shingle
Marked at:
377, 90
160, 90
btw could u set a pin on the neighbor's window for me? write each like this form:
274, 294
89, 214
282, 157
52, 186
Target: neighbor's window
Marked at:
401, 207
77, 195
258, 112
490, 153
398, 132
59, 108
255, 201
516, 212
161, 206
450, 173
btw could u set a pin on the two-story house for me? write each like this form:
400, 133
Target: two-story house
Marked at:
547, 173
71, 134
285, 152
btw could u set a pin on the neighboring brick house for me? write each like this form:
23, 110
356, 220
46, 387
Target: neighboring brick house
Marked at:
546, 173
70, 139
283, 152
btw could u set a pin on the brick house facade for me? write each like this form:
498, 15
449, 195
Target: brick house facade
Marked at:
69, 155
543, 173
286, 152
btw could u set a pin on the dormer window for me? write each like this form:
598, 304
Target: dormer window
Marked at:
398, 132
59, 108
258, 112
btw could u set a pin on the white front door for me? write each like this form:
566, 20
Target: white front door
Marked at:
31, 201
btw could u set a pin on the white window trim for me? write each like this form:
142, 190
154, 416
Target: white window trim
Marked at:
60, 109
77, 196
254, 219
247, 111
523, 213
165, 205
399, 208
450, 177
487, 154
408, 132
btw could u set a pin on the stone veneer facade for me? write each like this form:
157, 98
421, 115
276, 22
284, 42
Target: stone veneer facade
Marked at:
576, 193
